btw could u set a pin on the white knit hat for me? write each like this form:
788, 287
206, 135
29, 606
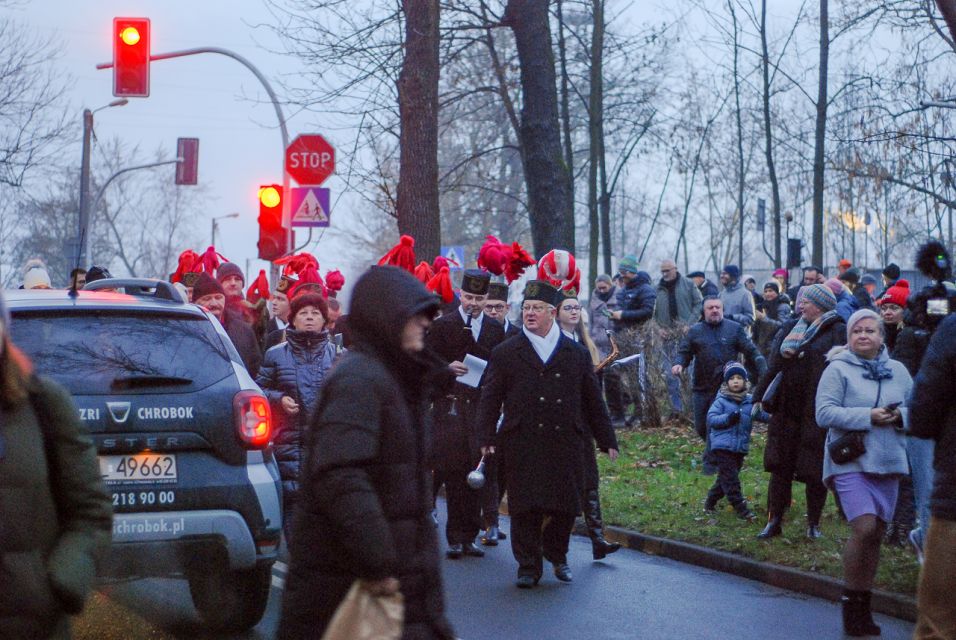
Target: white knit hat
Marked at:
35, 275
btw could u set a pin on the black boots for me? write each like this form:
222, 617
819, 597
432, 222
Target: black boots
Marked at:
813, 531
857, 617
774, 528
491, 536
600, 547
744, 512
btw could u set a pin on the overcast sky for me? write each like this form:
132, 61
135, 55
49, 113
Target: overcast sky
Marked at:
206, 96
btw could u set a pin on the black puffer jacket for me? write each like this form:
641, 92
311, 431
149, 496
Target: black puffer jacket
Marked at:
933, 414
243, 339
794, 441
636, 301
366, 488
296, 368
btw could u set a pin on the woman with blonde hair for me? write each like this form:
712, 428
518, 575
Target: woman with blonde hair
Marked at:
573, 321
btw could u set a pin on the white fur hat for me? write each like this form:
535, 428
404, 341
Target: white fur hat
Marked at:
35, 275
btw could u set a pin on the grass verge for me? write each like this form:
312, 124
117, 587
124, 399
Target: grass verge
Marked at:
656, 487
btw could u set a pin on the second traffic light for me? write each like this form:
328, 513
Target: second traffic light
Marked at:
131, 57
273, 237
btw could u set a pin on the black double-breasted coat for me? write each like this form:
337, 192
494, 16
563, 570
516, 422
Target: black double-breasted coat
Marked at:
546, 409
456, 447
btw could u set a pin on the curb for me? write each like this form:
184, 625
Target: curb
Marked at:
812, 584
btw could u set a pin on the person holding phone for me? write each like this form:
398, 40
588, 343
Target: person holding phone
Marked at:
860, 401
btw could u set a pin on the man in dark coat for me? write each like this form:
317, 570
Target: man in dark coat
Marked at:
462, 332
279, 306
209, 295
705, 286
810, 276
547, 386
365, 503
711, 344
933, 417
795, 443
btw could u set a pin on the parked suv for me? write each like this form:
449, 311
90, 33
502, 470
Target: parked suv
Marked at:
181, 430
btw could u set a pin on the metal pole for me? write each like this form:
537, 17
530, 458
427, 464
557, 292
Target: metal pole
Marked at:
212, 242
286, 212
83, 223
99, 194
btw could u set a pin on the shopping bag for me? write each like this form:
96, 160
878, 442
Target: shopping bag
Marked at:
362, 616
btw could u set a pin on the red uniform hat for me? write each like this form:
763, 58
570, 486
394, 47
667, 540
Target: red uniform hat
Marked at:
188, 268
897, 294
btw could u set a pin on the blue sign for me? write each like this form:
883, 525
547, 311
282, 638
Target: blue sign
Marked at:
309, 207
455, 256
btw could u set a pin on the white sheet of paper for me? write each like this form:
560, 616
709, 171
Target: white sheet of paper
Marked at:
476, 367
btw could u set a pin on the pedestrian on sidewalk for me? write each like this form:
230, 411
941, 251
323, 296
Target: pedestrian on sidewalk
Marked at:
705, 286
794, 441
729, 422
548, 389
572, 319
365, 503
738, 300
933, 417
859, 401
711, 344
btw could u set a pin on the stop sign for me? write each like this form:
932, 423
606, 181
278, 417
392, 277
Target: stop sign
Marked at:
310, 159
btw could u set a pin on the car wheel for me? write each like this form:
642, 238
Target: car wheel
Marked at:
230, 600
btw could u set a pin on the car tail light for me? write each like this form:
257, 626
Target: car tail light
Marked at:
253, 419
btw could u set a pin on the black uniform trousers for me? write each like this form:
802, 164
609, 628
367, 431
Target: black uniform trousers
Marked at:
537, 533
464, 509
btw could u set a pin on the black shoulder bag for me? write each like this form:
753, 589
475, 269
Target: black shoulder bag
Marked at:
851, 445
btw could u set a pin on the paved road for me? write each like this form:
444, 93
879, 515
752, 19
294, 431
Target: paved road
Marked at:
630, 595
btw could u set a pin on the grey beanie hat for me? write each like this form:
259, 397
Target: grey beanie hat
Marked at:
603, 278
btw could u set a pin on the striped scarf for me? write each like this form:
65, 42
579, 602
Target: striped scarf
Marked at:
802, 333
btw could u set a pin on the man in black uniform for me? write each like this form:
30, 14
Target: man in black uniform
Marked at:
493, 491
549, 391
454, 335
497, 308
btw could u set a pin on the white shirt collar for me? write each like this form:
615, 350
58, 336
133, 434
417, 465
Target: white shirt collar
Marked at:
475, 322
280, 324
545, 346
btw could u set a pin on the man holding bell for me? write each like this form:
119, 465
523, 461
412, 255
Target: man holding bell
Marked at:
545, 386
453, 336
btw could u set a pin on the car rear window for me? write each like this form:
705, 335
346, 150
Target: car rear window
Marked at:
110, 352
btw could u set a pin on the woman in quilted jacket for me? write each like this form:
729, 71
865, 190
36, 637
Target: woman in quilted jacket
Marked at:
291, 376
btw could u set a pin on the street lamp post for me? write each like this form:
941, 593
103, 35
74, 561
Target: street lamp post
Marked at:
84, 217
215, 225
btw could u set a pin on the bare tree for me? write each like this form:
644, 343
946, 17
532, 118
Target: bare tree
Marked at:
551, 209
32, 90
418, 202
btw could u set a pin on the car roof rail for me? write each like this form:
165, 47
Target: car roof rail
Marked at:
144, 287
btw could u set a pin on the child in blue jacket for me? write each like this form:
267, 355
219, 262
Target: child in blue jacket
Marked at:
728, 433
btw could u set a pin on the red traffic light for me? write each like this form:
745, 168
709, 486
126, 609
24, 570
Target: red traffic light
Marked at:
131, 57
273, 238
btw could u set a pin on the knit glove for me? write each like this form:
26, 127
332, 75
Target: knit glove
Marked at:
733, 418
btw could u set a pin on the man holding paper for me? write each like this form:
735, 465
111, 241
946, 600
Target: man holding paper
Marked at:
464, 339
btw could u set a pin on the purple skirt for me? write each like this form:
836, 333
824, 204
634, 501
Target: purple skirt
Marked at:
866, 494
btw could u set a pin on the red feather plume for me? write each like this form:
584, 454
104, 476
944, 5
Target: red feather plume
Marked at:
441, 284
188, 262
401, 255
424, 272
259, 289
334, 280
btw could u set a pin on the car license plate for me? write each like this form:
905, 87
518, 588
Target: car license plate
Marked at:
140, 467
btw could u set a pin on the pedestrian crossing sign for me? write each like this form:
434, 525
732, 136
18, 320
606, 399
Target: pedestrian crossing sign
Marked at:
456, 257
310, 207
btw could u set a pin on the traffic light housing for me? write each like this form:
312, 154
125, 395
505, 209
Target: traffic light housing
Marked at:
131, 57
273, 237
